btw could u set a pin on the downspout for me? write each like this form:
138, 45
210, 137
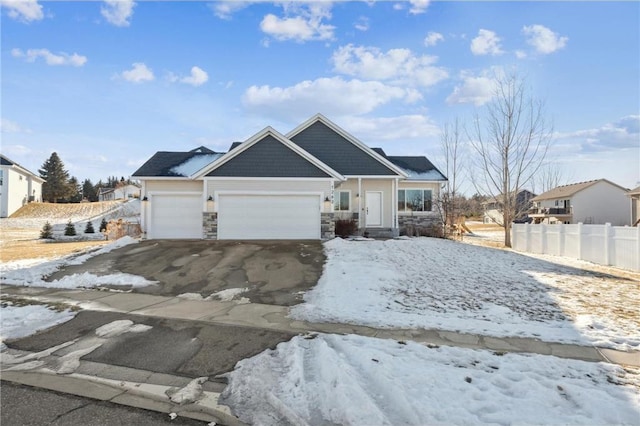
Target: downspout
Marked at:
359, 203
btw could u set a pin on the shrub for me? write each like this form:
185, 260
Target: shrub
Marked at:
47, 231
346, 227
89, 228
70, 229
103, 225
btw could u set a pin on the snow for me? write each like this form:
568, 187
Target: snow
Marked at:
194, 164
118, 327
228, 294
441, 284
428, 175
189, 393
355, 380
21, 321
33, 271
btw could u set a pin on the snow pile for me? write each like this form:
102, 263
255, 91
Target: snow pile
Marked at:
229, 294
442, 284
188, 394
366, 381
118, 327
194, 164
22, 321
34, 271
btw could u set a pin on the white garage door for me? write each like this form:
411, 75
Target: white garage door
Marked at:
269, 217
176, 216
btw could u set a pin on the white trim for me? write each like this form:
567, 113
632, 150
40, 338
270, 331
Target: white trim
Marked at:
405, 201
349, 137
423, 181
143, 178
381, 209
268, 178
267, 131
152, 193
371, 176
360, 195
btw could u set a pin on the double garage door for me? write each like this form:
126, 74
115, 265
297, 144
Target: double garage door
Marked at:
240, 216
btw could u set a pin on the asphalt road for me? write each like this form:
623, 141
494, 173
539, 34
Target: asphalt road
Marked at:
25, 405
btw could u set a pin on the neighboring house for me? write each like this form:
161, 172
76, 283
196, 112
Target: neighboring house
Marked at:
493, 211
122, 192
293, 186
18, 186
634, 194
596, 202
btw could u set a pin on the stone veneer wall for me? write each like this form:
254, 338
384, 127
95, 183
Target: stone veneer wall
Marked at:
416, 222
210, 225
327, 226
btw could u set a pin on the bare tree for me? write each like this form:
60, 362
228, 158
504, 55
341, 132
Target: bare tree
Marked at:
451, 146
511, 140
550, 176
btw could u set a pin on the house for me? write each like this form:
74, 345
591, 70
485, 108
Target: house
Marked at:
595, 201
18, 186
121, 192
293, 186
493, 211
634, 194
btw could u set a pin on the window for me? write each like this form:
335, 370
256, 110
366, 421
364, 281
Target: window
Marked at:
414, 200
341, 201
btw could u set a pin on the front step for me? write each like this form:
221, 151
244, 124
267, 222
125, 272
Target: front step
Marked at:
380, 232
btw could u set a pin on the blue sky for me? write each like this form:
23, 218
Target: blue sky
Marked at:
107, 84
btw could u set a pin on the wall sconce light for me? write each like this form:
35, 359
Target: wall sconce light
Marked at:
145, 198
358, 195
210, 203
327, 204
210, 198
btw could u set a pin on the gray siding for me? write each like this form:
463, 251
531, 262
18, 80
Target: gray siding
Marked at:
338, 153
269, 158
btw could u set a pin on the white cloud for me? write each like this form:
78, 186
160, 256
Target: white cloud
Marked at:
334, 96
224, 9
8, 126
543, 40
418, 6
362, 24
521, 54
624, 133
433, 38
118, 12
306, 25
413, 126
477, 90
197, 77
486, 43
138, 74
396, 65
23, 10
51, 59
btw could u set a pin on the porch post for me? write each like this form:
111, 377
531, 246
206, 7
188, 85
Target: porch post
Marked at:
360, 203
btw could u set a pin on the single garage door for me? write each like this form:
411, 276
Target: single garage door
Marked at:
176, 216
269, 217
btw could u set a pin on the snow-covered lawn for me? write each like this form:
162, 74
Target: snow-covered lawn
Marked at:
358, 380
22, 321
442, 284
32, 272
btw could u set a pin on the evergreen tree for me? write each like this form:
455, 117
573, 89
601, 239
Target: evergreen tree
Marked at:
75, 190
57, 179
47, 231
70, 229
89, 191
89, 228
103, 225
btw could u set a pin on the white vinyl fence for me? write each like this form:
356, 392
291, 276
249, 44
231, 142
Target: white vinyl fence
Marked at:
617, 246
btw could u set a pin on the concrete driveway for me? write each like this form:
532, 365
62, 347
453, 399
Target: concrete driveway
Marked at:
272, 272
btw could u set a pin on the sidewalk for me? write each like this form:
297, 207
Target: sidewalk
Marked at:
275, 318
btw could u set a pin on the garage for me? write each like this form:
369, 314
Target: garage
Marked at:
175, 216
269, 216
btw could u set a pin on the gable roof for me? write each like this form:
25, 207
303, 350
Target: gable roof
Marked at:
417, 167
634, 191
268, 154
4, 161
339, 150
176, 164
565, 191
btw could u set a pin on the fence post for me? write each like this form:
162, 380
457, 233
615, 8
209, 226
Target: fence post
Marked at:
543, 239
607, 243
527, 237
638, 248
561, 239
579, 240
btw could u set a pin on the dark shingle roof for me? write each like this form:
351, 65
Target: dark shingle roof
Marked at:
163, 161
268, 158
4, 161
339, 153
417, 167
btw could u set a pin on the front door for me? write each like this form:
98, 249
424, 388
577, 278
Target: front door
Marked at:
373, 205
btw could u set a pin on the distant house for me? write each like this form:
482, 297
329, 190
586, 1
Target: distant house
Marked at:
18, 186
494, 213
634, 194
122, 192
596, 202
